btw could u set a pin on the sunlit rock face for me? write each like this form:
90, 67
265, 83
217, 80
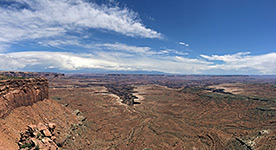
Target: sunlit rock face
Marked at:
21, 92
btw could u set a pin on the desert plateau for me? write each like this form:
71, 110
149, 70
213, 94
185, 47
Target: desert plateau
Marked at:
124, 111
137, 75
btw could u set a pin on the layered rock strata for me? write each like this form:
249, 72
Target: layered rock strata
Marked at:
48, 75
24, 92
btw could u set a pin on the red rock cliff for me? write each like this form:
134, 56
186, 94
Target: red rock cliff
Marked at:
25, 92
48, 75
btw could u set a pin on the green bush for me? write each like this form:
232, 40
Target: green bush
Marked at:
29, 145
38, 135
37, 147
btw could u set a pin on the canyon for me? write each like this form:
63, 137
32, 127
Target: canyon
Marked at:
160, 112
119, 111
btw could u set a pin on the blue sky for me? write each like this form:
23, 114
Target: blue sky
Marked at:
179, 36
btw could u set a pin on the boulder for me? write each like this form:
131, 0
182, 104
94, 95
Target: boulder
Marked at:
32, 127
47, 133
52, 126
41, 127
53, 138
36, 141
76, 112
38, 136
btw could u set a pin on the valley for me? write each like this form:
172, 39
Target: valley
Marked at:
160, 112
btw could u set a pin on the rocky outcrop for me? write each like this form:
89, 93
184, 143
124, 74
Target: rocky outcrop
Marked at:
20, 119
41, 136
24, 92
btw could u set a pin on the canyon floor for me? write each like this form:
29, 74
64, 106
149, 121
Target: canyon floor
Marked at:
179, 112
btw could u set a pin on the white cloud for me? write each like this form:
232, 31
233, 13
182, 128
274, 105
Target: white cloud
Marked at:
135, 49
13, 64
189, 60
100, 60
174, 51
61, 60
119, 47
185, 44
121, 61
124, 47
227, 58
262, 64
51, 18
60, 43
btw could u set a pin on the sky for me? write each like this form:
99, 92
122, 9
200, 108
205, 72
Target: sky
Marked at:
220, 37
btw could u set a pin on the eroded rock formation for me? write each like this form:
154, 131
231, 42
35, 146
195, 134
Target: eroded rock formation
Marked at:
124, 92
24, 92
41, 136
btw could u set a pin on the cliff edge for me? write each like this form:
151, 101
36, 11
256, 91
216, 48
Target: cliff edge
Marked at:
21, 92
25, 102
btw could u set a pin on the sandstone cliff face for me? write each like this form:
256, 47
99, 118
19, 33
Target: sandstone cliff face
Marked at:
48, 75
25, 92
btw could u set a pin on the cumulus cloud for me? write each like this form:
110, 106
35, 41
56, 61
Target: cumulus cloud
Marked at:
32, 19
262, 64
185, 44
100, 60
236, 63
14, 64
61, 60
227, 58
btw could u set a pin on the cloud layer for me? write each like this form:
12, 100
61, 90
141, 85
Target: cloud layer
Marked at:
125, 48
33, 19
64, 61
66, 24
262, 64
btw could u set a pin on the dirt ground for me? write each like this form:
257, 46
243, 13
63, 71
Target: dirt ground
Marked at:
171, 119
